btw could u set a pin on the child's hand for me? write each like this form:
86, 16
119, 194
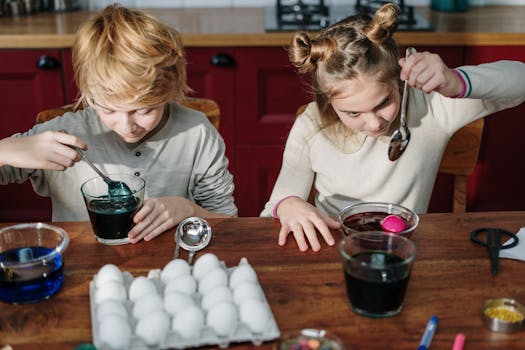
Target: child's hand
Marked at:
427, 72
303, 219
158, 215
49, 150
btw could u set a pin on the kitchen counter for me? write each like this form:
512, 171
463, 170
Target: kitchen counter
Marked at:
206, 27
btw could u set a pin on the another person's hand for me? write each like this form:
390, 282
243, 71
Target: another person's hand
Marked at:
49, 150
158, 215
304, 221
427, 72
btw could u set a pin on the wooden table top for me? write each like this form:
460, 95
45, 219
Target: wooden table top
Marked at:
244, 26
451, 279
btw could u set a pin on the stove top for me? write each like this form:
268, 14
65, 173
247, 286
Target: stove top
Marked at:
313, 19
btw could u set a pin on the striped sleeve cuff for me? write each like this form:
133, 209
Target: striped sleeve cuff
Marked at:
466, 86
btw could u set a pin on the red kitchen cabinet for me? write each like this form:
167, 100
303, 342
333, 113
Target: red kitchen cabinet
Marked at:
30, 80
258, 93
211, 74
269, 93
497, 183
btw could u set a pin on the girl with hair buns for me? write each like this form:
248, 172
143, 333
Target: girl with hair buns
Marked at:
340, 142
131, 73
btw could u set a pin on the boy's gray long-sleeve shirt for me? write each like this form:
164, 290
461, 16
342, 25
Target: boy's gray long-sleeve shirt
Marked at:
186, 158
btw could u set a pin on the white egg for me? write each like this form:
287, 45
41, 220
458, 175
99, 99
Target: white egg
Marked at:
174, 269
222, 318
184, 283
141, 286
242, 273
189, 322
110, 290
115, 331
216, 296
247, 290
153, 328
255, 315
110, 307
147, 304
204, 263
108, 272
214, 278
175, 302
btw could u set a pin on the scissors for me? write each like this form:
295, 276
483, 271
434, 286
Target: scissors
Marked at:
493, 243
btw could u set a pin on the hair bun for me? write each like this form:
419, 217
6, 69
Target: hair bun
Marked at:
384, 24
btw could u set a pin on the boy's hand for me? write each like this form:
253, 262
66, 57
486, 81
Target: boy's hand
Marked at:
158, 215
304, 221
49, 150
427, 72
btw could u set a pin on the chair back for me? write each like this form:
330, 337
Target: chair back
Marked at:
459, 160
207, 106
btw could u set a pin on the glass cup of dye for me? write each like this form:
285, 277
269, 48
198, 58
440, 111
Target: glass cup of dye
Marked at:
309, 339
112, 216
367, 216
377, 267
31, 263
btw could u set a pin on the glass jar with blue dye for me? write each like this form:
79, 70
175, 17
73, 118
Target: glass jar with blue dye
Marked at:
31, 262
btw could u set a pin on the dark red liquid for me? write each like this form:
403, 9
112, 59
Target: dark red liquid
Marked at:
377, 290
368, 221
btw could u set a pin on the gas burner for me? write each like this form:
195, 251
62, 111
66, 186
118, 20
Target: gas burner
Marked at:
293, 15
370, 7
298, 14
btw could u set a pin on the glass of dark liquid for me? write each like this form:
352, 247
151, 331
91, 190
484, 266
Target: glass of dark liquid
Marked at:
368, 216
377, 267
111, 216
31, 264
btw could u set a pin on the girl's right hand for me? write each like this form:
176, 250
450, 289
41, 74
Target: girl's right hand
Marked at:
304, 221
49, 150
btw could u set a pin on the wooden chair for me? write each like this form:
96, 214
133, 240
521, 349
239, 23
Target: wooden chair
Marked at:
459, 159
206, 106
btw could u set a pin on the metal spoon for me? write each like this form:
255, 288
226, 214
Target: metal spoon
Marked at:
401, 136
193, 234
115, 188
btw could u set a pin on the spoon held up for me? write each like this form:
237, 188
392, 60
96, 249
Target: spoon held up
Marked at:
401, 137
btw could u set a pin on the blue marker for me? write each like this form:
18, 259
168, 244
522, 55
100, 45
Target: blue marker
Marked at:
432, 324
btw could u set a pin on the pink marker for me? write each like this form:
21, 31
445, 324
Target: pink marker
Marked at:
459, 341
393, 223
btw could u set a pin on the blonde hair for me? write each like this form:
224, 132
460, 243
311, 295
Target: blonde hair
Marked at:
357, 45
128, 57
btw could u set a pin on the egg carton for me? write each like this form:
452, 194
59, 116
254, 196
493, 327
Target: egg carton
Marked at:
208, 337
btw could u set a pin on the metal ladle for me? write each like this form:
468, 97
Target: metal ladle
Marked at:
115, 188
193, 234
401, 137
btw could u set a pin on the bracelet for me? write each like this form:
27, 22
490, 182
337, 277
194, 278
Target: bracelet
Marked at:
463, 84
274, 211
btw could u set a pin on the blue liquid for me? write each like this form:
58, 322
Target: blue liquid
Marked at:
40, 281
112, 217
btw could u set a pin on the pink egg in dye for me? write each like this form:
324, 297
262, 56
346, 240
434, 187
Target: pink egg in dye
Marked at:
393, 223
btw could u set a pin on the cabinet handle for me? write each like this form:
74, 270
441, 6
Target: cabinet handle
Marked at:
222, 60
47, 62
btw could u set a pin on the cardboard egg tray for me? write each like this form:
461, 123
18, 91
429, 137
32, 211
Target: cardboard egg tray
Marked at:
173, 340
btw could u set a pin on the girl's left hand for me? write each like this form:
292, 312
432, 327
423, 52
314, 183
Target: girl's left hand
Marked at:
158, 215
427, 72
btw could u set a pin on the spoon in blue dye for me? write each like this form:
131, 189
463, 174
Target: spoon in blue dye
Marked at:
115, 188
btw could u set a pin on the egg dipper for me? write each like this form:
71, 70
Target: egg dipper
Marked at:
193, 234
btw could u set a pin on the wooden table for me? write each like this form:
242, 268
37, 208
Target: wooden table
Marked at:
451, 279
